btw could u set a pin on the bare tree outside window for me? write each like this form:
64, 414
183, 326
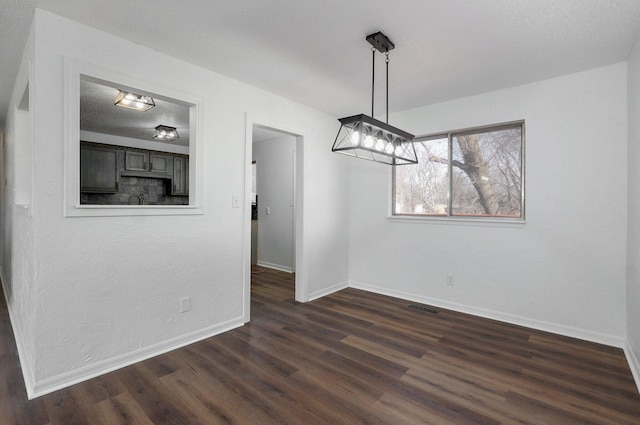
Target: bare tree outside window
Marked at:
475, 173
423, 188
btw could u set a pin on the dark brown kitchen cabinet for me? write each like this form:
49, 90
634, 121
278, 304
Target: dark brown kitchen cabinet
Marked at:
98, 169
136, 161
180, 182
148, 161
102, 166
159, 163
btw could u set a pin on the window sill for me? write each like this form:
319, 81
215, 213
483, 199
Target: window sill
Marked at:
516, 223
131, 210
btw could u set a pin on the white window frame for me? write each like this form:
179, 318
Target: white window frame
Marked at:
74, 70
463, 220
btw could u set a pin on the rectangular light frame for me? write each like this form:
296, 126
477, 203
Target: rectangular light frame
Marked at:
165, 132
134, 101
362, 136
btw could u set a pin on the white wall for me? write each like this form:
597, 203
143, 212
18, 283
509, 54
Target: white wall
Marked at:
564, 270
18, 268
275, 188
633, 235
106, 290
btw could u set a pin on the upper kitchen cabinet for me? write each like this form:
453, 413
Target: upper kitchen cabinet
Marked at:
180, 184
118, 175
159, 163
148, 161
98, 169
136, 161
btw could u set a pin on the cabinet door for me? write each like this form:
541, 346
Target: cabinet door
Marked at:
160, 163
136, 161
98, 170
186, 176
180, 184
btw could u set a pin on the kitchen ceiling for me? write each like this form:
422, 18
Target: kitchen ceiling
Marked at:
98, 114
315, 52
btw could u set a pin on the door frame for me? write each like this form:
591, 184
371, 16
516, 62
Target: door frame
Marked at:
300, 266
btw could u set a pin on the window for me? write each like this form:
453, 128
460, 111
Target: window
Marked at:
113, 166
122, 161
470, 173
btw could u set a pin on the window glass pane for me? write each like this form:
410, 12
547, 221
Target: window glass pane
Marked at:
423, 188
487, 175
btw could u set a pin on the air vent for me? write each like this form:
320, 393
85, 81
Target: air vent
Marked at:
423, 308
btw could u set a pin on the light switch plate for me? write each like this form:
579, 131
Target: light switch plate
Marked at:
185, 304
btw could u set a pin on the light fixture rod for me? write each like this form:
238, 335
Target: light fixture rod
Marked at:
387, 62
381, 43
373, 78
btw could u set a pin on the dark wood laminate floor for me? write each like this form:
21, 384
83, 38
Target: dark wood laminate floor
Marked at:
350, 358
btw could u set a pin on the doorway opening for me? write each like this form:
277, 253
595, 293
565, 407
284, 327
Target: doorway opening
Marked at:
274, 177
274, 199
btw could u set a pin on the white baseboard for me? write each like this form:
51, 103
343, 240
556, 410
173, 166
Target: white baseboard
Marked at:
634, 364
326, 291
64, 380
25, 363
275, 266
541, 325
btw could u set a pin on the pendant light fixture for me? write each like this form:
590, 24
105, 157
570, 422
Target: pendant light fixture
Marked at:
365, 137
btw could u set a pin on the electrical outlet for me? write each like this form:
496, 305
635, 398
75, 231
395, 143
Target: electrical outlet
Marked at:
185, 304
450, 279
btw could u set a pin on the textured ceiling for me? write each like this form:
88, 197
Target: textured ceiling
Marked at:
99, 115
314, 52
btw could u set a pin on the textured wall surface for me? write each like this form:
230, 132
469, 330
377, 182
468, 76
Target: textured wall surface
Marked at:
564, 270
633, 233
89, 315
19, 269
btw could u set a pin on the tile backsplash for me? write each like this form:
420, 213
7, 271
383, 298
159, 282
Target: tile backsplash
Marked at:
154, 191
